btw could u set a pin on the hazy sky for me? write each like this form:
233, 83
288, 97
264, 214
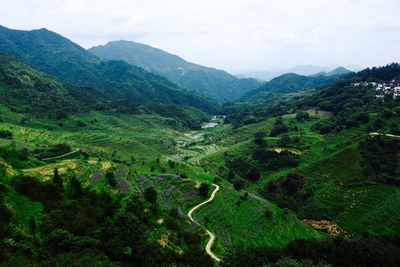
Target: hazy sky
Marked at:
235, 35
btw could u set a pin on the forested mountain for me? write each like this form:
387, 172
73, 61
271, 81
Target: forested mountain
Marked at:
70, 63
106, 164
348, 103
217, 84
26, 90
377, 74
290, 83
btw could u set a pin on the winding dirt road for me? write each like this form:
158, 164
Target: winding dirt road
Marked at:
212, 236
63, 155
381, 134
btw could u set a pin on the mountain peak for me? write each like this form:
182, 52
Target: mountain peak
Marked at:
214, 83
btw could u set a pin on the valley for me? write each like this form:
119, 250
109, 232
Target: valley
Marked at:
104, 163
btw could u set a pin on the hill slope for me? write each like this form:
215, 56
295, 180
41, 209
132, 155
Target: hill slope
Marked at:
26, 90
290, 83
68, 62
212, 82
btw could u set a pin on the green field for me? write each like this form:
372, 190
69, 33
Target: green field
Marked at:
139, 149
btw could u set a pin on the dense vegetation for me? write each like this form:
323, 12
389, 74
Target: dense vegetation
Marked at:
364, 251
82, 227
70, 63
289, 83
308, 178
28, 91
212, 82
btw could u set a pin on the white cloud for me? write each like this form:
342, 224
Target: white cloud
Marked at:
230, 34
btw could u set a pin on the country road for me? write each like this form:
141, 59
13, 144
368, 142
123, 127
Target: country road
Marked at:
212, 236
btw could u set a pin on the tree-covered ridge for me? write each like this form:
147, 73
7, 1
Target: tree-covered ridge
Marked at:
351, 105
26, 90
290, 83
68, 62
217, 84
307, 178
377, 74
348, 103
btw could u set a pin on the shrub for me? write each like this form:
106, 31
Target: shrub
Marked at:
203, 189
302, 116
150, 195
6, 135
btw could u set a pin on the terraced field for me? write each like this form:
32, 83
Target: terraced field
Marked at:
146, 145
173, 191
243, 223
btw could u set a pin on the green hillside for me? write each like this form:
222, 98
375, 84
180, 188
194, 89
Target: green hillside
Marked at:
26, 90
290, 83
70, 63
124, 168
214, 83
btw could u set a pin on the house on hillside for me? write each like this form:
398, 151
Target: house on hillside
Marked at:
392, 87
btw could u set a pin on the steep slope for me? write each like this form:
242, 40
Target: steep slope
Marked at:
215, 83
68, 62
26, 90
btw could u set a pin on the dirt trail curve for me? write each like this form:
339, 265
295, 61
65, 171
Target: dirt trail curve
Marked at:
63, 155
381, 134
212, 236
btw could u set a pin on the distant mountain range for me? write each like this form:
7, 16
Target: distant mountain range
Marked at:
66, 61
214, 83
305, 70
124, 70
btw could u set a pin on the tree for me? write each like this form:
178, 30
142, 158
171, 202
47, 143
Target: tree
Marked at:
76, 187
292, 183
238, 184
268, 213
57, 181
6, 135
285, 140
171, 164
150, 195
254, 175
363, 117
244, 196
302, 116
259, 138
203, 189
32, 225
279, 129
231, 175
378, 124
111, 179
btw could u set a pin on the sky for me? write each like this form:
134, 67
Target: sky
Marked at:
234, 35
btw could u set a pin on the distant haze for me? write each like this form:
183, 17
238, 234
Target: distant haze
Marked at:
235, 35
